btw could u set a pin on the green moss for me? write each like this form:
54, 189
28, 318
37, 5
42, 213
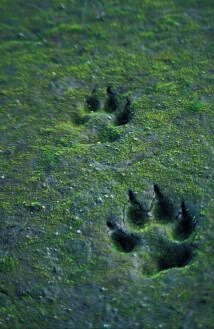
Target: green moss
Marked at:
78, 166
8, 264
66, 28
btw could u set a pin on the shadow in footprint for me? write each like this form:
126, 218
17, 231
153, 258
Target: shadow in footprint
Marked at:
137, 215
163, 209
172, 254
125, 115
93, 102
112, 100
185, 223
124, 241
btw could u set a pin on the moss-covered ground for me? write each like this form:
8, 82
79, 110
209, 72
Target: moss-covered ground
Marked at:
65, 169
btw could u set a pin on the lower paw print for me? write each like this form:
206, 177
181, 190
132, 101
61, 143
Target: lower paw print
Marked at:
160, 235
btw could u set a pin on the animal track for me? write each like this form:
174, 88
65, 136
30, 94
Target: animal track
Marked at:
100, 121
161, 239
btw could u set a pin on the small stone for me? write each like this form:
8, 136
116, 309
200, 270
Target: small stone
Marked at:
100, 200
79, 232
8, 317
68, 309
143, 305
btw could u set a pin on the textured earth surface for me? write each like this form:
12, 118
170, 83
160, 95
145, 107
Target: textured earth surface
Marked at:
106, 164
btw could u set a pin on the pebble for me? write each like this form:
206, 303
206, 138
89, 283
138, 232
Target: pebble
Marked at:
8, 317
68, 309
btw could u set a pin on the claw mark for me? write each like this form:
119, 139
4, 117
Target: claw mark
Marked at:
126, 115
165, 207
136, 213
125, 241
112, 100
185, 224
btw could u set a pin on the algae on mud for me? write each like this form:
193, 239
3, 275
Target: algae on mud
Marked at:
65, 169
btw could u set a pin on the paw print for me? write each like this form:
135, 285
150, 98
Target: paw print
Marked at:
100, 120
158, 237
